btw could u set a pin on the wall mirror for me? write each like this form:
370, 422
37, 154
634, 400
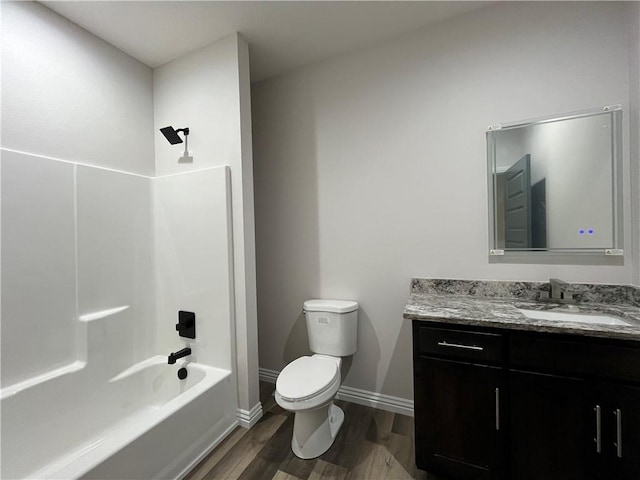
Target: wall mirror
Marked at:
555, 184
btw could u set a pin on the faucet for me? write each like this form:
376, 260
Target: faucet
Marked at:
560, 292
179, 354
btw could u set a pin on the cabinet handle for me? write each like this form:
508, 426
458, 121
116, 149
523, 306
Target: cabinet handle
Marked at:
497, 408
457, 345
598, 430
618, 414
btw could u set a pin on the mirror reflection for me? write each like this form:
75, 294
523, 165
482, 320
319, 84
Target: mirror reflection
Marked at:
552, 183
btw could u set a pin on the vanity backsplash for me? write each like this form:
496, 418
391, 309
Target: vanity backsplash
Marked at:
583, 292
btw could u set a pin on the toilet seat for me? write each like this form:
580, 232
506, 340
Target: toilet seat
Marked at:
306, 378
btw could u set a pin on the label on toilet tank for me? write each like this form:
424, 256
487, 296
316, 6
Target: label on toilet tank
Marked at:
323, 320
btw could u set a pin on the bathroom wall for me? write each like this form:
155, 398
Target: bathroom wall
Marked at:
70, 97
115, 262
193, 259
634, 121
370, 168
208, 91
75, 239
38, 280
67, 94
112, 241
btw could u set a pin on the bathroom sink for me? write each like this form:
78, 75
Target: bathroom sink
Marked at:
572, 317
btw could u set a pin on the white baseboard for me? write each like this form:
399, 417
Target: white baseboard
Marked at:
356, 395
376, 400
248, 418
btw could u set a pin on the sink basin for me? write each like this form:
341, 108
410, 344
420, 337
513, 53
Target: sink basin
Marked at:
573, 317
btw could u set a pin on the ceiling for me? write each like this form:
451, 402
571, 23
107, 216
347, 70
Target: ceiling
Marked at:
282, 35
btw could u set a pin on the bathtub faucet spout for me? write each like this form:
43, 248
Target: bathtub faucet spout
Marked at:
179, 354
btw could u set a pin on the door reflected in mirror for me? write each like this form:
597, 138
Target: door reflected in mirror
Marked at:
553, 183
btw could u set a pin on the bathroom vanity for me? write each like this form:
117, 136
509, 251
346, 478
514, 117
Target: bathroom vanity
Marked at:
500, 395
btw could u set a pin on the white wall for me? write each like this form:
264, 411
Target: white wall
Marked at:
208, 91
193, 259
67, 94
38, 278
76, 240
370, 168
115, 261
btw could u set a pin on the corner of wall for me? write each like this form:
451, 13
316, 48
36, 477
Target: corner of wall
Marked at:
208, 90
634, 138
249, 334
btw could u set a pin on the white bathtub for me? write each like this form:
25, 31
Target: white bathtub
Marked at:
143, 423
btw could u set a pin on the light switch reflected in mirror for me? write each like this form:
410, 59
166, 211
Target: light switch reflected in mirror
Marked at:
554, 184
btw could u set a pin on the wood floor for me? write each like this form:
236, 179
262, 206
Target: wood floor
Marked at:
372, 444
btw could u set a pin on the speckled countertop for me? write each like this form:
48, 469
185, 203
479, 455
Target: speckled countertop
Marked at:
496, 304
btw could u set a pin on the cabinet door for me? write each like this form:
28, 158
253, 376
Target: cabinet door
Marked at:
620, 456
457, 418
553, 426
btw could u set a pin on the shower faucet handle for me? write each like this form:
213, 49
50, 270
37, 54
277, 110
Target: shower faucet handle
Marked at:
186, 325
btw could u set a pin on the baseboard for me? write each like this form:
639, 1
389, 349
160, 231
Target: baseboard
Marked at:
356, 395
376, 400
269, 376
248, 418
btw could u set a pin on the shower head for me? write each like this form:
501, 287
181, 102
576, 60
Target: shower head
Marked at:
172, 135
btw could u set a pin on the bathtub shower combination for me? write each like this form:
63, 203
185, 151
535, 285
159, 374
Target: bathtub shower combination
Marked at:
145, 423
96, 265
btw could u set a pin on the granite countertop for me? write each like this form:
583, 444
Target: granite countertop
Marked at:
496, 304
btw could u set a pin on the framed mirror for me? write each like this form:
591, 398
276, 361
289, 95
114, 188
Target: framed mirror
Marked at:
555, 184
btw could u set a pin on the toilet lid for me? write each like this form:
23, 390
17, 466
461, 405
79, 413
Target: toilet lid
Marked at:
306, 377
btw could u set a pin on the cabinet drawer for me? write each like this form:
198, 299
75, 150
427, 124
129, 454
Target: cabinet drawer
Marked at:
473, 346
619, 362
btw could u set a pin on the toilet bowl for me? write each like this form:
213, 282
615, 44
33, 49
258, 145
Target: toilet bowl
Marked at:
308, 385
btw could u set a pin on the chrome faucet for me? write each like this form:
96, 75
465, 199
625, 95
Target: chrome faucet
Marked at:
561, 292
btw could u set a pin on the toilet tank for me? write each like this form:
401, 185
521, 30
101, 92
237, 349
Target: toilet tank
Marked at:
332, 326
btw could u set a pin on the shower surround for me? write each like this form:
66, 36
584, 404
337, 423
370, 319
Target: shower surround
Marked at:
96, 264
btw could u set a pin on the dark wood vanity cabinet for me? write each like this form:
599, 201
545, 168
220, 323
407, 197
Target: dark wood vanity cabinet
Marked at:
458, 387
574, 408
550, 428
495, 404
568, 429
620, 437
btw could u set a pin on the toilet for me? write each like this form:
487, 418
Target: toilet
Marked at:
308, 385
